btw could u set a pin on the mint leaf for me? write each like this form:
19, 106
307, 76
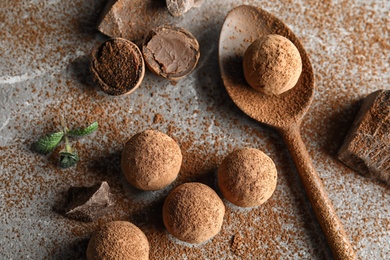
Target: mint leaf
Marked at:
84, 131
48, 143
68, 159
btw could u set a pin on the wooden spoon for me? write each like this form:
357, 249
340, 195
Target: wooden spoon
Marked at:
242, 26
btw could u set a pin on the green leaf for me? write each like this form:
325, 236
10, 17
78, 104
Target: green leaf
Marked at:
84, 131
48, 143
68, 159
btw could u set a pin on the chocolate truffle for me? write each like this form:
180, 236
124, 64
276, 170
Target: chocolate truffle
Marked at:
170, 52
118, 240
272, 64
117, 66
151, 160
193, 213
247, 177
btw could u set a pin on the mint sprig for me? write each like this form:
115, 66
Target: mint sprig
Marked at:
48, 143
68, 156
84, 131
68, 159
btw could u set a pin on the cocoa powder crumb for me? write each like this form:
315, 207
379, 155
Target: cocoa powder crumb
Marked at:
237, 245
158, 118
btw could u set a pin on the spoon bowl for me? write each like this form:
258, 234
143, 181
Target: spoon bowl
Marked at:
241, 27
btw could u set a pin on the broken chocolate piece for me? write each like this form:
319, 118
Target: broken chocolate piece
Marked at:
87, 203
366, 148
132, 19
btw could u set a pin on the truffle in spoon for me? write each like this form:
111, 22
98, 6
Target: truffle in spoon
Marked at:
272, 64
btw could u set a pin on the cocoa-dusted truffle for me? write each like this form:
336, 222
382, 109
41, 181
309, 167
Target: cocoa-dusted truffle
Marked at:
117, 66
151, 160
247, 177
272, 64
118, 240
170, 52
193, 213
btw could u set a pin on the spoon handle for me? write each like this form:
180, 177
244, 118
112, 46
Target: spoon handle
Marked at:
330, 223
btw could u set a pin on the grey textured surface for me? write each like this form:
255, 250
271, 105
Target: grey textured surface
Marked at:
44, 74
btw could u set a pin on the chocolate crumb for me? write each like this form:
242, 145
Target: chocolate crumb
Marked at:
237, 245
158, 118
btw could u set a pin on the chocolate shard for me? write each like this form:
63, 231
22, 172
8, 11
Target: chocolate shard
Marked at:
366, 147
132, 19
88, 203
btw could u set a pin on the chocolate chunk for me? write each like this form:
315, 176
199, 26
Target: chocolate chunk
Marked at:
87, 203
132, 19
366, 148
170, 52
179, 7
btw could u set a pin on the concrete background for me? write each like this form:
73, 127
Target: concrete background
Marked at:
44, 52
